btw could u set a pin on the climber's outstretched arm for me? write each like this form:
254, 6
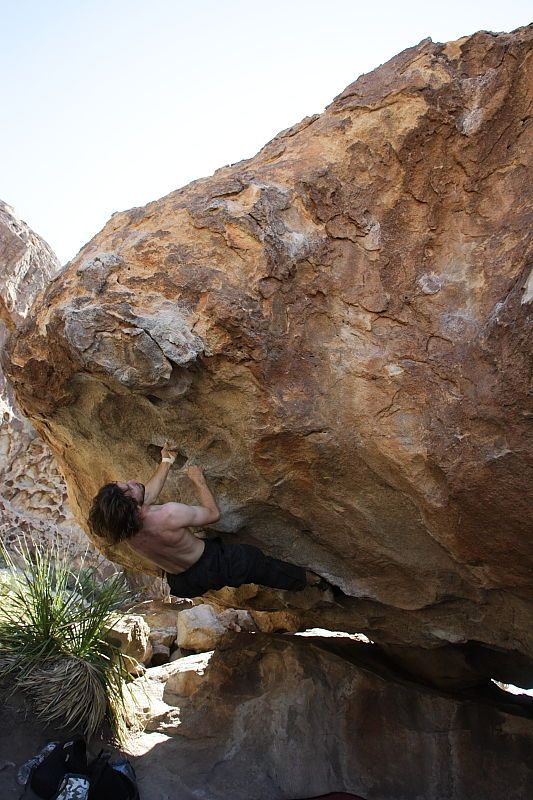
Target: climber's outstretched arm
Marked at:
209, 511
156, 482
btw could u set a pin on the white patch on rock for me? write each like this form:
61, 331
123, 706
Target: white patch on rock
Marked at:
137, 350
169, 329
481, 101
528, 289
430, 283
394, 369
372, 240
448, 636
471, 121
326, 634
458, 325
297, 244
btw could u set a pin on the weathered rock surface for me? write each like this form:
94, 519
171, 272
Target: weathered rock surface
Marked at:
131, 634
185, 678
202, 627
28, 264
267, 717
199, 628
161, 619
160, 653
192, 627
337, 330
33, 494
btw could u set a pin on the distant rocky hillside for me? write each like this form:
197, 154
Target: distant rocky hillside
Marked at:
33, 495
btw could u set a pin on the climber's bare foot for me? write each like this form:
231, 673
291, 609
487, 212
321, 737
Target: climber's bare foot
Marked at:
317, 581
312, 578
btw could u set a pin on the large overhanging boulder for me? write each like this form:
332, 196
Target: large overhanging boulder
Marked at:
336, 330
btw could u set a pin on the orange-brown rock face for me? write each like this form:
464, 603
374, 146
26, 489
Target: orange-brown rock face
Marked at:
336, 330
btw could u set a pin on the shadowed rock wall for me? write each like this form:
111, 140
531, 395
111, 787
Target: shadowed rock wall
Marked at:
337, 330
270, 717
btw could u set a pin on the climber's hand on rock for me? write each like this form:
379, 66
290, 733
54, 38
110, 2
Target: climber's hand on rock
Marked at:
195, 473
168, 451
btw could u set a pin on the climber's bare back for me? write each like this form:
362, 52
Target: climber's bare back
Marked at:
164, 540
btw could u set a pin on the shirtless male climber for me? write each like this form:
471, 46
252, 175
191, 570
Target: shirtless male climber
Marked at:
126, 511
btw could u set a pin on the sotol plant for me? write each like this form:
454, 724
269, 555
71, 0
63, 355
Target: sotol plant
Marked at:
53, 646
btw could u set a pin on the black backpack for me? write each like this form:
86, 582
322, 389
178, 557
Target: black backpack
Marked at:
61, 772
112, 780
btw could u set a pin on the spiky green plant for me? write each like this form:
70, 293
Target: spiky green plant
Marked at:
53, 646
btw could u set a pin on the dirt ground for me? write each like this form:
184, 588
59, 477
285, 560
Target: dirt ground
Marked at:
21, 737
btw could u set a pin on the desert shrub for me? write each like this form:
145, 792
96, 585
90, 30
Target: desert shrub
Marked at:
53, 643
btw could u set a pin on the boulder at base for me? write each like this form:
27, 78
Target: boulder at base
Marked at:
271, 717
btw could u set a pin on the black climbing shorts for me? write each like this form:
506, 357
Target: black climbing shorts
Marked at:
232, 565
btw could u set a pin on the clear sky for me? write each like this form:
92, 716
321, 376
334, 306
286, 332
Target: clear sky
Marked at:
108, 104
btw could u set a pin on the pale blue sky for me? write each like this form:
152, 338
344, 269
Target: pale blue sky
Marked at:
108, 104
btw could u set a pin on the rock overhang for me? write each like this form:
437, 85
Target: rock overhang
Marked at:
336, 330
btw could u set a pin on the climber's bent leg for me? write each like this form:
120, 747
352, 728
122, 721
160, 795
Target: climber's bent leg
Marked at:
244, 563
233, 565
